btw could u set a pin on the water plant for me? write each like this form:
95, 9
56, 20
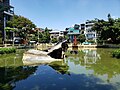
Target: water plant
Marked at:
116, 53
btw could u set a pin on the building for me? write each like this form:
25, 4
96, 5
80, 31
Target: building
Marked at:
89, 33
6, 14
56, 34
73, 31
84, 28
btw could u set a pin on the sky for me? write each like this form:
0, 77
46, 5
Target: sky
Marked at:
61, 14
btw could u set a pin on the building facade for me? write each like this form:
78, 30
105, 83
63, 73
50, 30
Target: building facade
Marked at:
6, 14
73, 31
83, 28
56, 34
89, 33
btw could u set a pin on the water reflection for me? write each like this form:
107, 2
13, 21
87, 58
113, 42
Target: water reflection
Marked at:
96, 62
10, 75
60, 67
90, 70
91, 56
12, 70
46, 78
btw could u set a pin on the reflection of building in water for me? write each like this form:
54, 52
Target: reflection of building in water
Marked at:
91, 56
76, 60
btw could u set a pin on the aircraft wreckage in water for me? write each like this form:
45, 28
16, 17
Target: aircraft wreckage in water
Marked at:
56, 53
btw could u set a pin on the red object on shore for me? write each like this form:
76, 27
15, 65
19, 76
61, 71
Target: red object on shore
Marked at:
75, 41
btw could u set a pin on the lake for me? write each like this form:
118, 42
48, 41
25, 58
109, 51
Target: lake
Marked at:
91, 69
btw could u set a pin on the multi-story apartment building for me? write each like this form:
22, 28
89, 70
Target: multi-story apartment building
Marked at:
89, 33
6, 13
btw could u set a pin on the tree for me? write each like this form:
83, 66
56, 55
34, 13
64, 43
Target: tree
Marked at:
23, 25
47, 35
60, 39
108, 30
44, 37
54, 40
20, 22
81, 38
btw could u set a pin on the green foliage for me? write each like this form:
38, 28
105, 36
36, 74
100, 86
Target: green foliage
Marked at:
116, 53
108, 30
81, 38
60, 38
20, 22
23, 25
54, 40
66, 37
44, 37
8, 29
5, 87
7, 50
33, 38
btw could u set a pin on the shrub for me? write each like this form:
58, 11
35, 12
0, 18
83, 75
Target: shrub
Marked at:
54, 40
116, 53
7, 50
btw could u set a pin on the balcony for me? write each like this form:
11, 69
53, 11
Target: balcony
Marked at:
9, 12
92, 32
6, 9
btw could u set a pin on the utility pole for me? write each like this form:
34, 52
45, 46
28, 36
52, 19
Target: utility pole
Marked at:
13, 38
38, 36
4, 32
